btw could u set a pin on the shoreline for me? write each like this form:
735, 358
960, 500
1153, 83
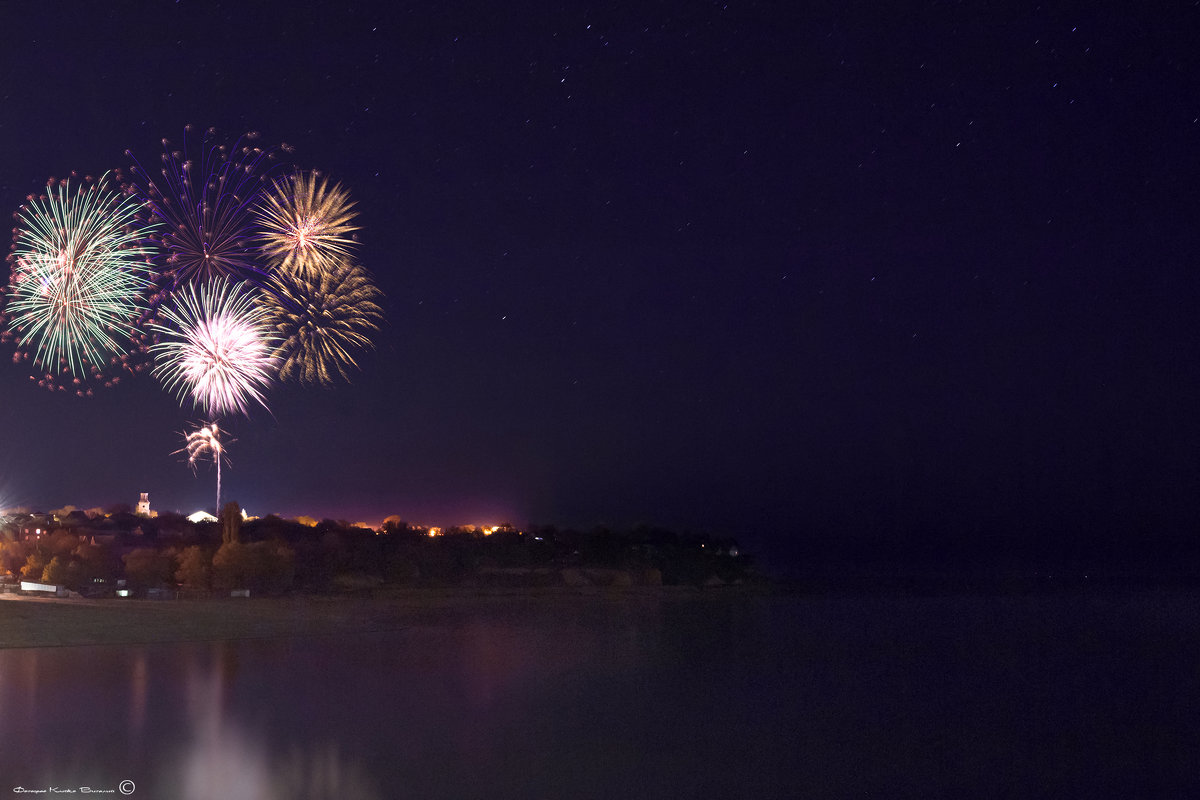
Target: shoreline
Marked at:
27, 621
30, 621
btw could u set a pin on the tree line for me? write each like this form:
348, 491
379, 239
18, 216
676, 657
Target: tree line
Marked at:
273, 555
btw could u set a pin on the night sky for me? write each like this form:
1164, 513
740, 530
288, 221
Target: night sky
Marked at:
788, 272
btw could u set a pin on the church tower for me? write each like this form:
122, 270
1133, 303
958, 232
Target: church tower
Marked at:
143, 507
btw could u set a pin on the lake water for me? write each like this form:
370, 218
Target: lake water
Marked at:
718, 697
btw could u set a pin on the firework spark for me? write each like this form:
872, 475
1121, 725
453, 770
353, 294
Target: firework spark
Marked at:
321, 321
205, 207
79, 276
307, 225
216, 346
202, 442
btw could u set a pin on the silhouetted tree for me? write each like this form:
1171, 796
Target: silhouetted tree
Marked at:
274, 566
12, 556
61, 542
147, 568
195, 569
173, 524
35, 565
261, 566
95, 561
57, 571
230, 565
231, 523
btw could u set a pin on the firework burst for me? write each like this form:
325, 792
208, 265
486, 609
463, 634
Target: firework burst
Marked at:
79, 279
205, 207
322, 321
203, 442
216, 346
307, 225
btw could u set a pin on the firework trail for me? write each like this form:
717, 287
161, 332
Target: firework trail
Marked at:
216, 346
79, 280
206, 441
205, 207
307, 225
322, 320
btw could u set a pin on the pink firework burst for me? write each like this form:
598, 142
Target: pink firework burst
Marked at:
216, 346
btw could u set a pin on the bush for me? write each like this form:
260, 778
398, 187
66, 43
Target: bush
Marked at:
261, 566
195, 569
147, 568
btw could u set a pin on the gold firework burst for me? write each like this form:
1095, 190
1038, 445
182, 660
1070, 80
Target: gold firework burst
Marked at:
307, 224
322, 320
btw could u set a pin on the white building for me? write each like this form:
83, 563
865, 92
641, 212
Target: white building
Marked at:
204, 516
143, 506
48, 588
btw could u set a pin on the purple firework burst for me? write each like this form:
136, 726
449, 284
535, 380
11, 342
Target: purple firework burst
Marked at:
205, 208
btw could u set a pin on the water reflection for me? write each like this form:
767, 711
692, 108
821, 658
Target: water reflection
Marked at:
787, 697
308, 718
138, 692
204, 752
508, 699
223, 758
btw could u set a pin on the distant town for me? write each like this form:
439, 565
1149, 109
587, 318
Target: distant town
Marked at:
134, 551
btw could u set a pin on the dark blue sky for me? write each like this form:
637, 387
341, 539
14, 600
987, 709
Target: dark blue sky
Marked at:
793, 270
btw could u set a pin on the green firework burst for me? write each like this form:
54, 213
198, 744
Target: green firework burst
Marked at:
79, 275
